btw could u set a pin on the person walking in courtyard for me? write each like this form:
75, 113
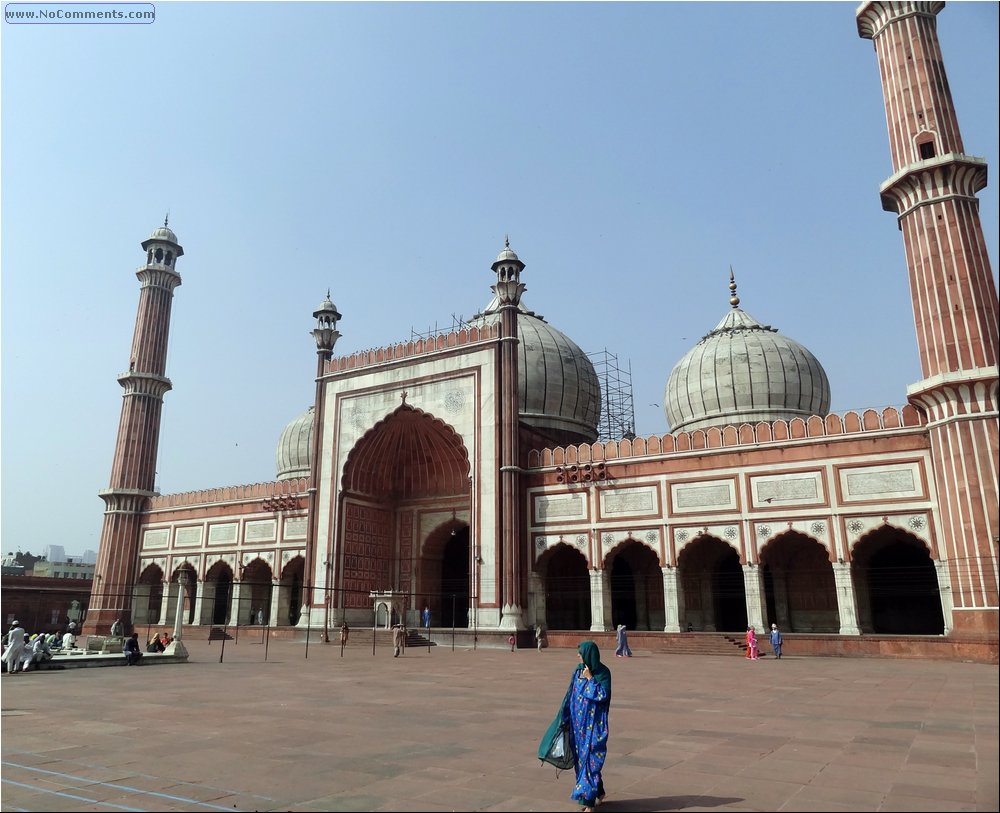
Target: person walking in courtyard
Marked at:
622, 650
512, 641
426, 617
117, 631
586, 708
752, 652
345, 632
776, 640
539, 635
397, 640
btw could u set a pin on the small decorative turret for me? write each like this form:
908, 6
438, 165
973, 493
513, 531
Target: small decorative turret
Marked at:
326, 333
508, 268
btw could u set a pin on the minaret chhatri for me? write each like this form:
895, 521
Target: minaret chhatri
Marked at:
933, 190
133, 471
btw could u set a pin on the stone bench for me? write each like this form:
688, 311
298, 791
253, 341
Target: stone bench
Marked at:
105, 643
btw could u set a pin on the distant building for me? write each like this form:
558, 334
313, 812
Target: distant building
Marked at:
64, 570
55, 553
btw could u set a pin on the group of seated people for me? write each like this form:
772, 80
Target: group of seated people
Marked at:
158, 642
22, 653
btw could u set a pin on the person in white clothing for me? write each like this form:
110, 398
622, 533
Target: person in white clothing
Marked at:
15, 648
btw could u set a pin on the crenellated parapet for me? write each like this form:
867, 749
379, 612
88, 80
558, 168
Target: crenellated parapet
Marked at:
407, 350
829, 426
277, 492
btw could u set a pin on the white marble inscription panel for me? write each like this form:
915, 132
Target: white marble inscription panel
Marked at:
188, 537
788, 490
696, 496
563, 506
626, 501
881, 482
262, 530
222, 534
295, 528
153, 540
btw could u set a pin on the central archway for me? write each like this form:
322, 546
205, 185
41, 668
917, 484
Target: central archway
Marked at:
406, 467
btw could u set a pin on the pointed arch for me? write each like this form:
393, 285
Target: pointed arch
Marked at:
896, 584
799, 588
712, 580
636, 586
407, 455
566, 587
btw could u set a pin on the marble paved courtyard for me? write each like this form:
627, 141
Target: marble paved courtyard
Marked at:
458, 730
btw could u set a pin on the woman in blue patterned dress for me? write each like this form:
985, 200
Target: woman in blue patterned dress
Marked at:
587, 709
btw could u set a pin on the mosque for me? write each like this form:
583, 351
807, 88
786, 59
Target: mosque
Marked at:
463, 471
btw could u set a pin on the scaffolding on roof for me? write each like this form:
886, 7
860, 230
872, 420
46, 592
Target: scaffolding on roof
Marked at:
617, 406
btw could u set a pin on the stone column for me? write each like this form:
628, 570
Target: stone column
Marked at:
537, 590
847, 605
673, 599
943, 573
753, 587
165, 604
600, 601
779, 578
273, 618
235, 604
175, 647
199, 602
707, 602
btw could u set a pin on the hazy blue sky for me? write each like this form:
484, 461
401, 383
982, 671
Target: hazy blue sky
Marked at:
632, 152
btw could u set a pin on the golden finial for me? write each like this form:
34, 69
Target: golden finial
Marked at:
733, 299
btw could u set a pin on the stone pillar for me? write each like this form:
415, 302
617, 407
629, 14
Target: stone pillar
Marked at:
779, 578
673, 599
175, 647
165, 604
707, 602
943, 573
236, 604
537, 590
199, 603
600, 601
273, 619
847, 605
753, 587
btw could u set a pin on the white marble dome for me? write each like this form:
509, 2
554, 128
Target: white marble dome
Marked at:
744, 372
295, 447
557, 384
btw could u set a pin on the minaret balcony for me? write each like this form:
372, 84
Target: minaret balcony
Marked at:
932, 180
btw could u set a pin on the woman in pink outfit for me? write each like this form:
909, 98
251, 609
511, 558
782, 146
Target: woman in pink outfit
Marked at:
753, 653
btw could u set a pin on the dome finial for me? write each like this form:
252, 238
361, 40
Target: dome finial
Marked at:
733, 299
506, 241
166, 219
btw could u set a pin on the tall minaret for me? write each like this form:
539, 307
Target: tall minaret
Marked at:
933, 190
508, 290
133, 472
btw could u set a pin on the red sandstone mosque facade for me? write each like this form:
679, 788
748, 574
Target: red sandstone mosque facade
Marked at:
462, 472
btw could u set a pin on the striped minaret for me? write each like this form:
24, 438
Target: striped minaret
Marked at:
933, 190
133, 472
508, 290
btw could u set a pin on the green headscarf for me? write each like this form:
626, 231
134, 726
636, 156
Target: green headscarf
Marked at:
592, 660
